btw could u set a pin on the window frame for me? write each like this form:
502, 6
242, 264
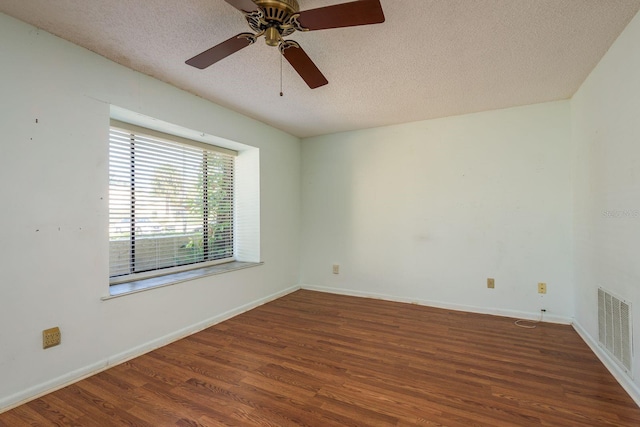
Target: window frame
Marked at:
174, 139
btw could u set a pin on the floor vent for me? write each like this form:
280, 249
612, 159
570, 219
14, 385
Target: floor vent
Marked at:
614, 328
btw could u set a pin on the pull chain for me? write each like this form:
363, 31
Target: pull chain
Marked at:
281, 74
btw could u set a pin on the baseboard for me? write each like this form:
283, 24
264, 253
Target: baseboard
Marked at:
550, 318
623, 379
62, 381
39, 390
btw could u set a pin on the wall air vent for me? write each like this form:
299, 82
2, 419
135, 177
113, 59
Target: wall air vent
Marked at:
614, 329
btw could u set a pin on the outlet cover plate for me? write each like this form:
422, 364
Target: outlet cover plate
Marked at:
51, 337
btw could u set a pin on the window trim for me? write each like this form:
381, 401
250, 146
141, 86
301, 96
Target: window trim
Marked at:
152, 274
141, 285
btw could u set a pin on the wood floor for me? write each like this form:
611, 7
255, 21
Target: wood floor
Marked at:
317, 359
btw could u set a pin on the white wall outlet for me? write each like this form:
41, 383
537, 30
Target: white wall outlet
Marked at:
336, 269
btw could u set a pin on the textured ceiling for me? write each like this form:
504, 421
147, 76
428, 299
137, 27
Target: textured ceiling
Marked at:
431, 58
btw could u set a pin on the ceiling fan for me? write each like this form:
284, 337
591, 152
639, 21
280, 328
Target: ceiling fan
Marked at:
276, 19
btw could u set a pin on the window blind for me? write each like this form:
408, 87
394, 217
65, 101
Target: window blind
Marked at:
171, 203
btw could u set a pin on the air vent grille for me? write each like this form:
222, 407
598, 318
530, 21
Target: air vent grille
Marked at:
614, 328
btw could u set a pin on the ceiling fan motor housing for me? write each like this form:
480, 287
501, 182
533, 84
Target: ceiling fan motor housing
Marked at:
278, 10
273, 19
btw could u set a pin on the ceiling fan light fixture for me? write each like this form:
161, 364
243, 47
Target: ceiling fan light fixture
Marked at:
272, 36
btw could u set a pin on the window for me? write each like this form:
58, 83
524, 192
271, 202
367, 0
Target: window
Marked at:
171, 203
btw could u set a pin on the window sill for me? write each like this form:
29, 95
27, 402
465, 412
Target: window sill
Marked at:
142, 285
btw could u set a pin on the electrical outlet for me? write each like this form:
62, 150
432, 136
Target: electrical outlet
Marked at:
51, 337
542, 288
336, 269
491, 283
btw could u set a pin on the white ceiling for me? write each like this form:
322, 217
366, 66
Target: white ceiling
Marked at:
431, 58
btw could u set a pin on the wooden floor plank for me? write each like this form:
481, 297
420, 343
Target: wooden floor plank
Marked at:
317, 359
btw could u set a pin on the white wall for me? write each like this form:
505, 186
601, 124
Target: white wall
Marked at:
427, 211
54, 208
605, 116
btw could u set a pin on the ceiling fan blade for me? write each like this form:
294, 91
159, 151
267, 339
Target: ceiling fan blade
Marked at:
361, 12
221, 51
301, 62
243, 5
